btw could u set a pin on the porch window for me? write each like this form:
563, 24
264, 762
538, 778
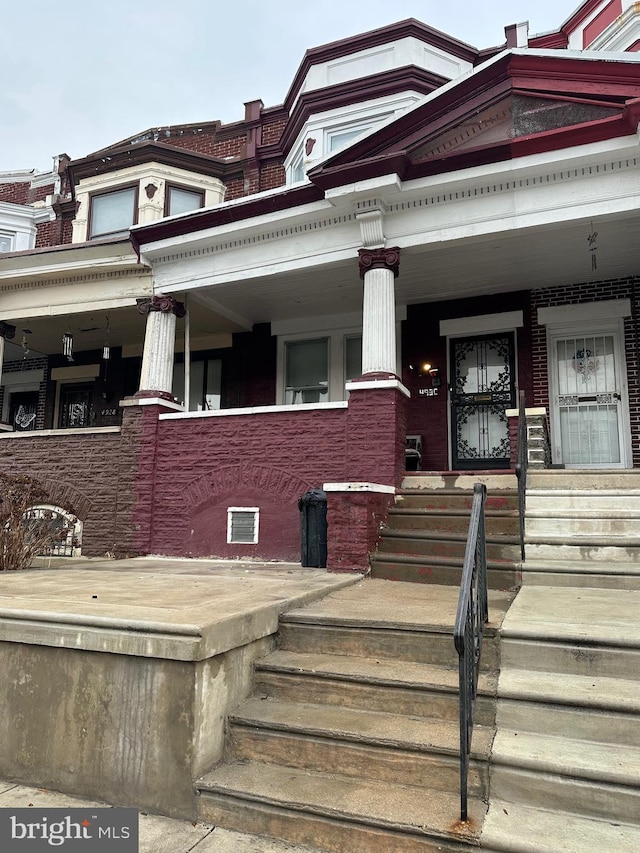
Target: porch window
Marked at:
352, 357
113, 213
6, 242
205, 384
23, 410
182, 200
307, 371
242, 524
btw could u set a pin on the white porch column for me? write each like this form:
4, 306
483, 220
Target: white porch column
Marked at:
378, 269
159, 343
6, 331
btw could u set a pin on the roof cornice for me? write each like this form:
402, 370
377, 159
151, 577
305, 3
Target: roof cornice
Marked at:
224, 214
374, 38
114, 159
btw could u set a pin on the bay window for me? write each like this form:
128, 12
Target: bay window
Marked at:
182, 200
112, 213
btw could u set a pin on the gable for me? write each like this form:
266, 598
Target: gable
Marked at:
519, 114
522, 102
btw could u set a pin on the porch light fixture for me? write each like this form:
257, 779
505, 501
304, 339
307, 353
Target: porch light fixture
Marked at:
67, 345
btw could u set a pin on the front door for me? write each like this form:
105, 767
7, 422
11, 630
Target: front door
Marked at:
76, 408
482, 387
587, 393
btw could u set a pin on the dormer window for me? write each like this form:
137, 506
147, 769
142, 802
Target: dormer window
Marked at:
182, 200
113, 213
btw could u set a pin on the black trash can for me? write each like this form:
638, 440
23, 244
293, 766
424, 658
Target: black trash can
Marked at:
313, 528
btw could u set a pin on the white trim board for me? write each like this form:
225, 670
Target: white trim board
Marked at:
461, 326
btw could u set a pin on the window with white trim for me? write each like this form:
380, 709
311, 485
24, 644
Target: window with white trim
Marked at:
6, 241
242, 524
315, 368
113, 213
306, 371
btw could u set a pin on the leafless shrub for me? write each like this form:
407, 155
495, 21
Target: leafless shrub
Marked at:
26, 530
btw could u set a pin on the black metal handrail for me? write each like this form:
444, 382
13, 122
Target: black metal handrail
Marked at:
522, 463
473, 612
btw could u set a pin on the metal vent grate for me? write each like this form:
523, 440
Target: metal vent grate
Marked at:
242, 524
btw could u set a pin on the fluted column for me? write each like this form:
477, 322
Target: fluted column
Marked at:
159, 343
378, 269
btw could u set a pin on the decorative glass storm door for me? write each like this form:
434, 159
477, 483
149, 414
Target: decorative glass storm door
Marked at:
587, 395
482, 388
75, 406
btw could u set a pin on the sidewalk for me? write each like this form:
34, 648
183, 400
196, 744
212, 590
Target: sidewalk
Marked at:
157, 834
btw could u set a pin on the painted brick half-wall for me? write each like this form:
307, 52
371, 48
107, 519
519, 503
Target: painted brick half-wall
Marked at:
205, 465
84, 474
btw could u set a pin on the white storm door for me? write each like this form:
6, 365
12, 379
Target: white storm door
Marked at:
589, 399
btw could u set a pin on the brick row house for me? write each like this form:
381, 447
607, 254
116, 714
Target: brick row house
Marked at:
199, 324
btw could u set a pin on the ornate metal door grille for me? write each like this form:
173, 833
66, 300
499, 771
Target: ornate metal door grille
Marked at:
482, 388
588, 400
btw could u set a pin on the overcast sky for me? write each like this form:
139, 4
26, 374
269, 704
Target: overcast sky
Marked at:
79, 75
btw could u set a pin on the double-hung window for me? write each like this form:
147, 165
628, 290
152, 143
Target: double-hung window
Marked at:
307, 371
113, 213
315, 369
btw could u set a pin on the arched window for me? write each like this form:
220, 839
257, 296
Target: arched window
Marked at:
65, 529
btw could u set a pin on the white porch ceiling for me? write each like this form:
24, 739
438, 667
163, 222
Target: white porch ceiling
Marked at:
541, 257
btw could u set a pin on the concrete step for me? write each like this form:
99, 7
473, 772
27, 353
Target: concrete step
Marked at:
436, 544
580, 616
582, 573
460, 480
588, 658
600, 549
374, 745
577, 524
517, 828
497, 522
592, 707
416, 569
559, 773
368, 683
588, 501
335, 812
389, 620
455, 499
606, 480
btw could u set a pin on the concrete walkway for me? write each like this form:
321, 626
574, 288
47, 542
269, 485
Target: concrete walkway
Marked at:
157, 834
180, 609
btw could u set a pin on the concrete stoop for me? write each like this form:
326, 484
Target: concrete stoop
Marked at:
583, 528
566, 757
350, 740
425, 537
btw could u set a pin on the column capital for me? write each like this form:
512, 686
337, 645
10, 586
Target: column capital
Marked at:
160, 302
371, 259
7, 330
